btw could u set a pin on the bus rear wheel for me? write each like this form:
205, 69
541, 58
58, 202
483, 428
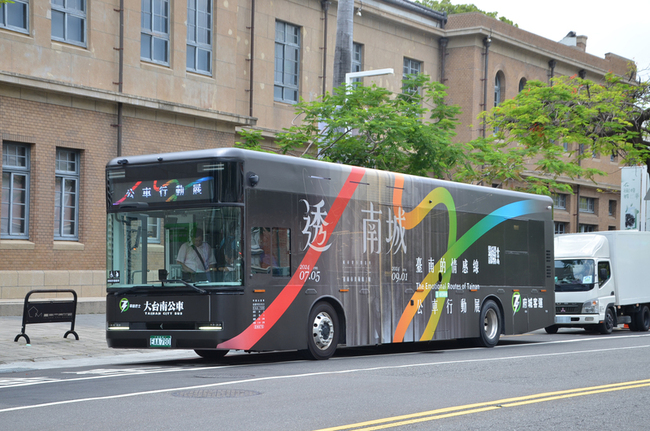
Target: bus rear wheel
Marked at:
211, 354
323, 332
490, 324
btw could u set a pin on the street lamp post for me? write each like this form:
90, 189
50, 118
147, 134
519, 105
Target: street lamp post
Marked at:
351, 75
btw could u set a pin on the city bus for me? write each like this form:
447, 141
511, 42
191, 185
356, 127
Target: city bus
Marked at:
301, 254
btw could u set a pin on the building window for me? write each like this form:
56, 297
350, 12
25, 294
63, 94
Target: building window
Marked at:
287, 58
612, 208
612, 157
14, 214
522, 84
199, 36
15, 15
587, 228
499, 88
66, 194
69, 21
154, 39
559, 200
560, 227
357, 60
411, 67
587, 205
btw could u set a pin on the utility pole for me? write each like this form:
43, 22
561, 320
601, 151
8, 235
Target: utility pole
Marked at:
344, 35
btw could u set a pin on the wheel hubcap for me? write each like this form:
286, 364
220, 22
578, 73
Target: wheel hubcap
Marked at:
323, 332
490, 324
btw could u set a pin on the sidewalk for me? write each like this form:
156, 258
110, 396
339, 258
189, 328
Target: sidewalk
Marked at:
85, 305
48, 348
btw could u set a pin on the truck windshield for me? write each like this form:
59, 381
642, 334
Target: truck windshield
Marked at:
575, 275
174, 247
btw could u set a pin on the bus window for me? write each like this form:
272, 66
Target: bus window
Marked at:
270, 251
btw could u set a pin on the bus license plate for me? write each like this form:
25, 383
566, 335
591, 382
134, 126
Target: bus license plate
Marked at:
160, 341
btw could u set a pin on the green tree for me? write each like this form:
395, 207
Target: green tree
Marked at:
451, 9
526, 146
369, 126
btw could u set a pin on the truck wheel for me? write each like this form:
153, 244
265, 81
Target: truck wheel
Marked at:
490, 325
551, 329
608, 324
323, 332
642, 319
211, 354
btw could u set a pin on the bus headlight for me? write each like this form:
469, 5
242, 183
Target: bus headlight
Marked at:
212, 326
118, 326
590, 307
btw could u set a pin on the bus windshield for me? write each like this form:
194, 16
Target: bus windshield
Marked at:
175, 247
574, 275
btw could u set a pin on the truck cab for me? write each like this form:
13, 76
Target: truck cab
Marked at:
584, 286
600, 280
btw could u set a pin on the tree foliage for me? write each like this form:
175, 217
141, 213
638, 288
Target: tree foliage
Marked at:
529, 132
451, 9
409, 132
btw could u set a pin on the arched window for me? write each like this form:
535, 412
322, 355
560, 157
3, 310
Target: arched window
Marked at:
499, 88
522, 84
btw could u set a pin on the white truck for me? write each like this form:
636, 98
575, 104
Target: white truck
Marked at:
601, 281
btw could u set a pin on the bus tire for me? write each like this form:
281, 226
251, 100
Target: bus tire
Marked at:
211, 354
642, 318
322, 332
490, 324
607, 325
551, 329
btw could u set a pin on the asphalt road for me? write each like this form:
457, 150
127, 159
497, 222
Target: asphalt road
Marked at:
571, 380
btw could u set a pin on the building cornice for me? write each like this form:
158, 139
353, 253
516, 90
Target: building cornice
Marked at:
111, 97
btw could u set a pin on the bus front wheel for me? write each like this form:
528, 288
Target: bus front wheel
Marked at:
490, 324
323, 332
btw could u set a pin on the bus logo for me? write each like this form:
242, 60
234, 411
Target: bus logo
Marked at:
124, 304
516, 302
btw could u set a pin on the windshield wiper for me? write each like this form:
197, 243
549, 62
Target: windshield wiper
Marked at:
162, 283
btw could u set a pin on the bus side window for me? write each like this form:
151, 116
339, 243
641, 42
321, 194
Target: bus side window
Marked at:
603, 273
270, 251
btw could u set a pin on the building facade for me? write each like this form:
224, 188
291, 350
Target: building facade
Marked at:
83, 82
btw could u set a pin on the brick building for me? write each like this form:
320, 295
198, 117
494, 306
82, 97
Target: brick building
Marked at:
82, 82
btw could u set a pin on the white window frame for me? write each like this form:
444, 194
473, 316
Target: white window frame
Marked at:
411, 67
287, 56
66, 174
559, 200
154, 29
10, 170
6, 10
69, 12
560, 227
587, 205
357, 60
199, 22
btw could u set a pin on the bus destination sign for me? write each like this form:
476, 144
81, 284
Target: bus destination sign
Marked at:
165, 191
